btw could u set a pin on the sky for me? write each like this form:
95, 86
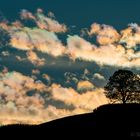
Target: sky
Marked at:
57, 56
116, 13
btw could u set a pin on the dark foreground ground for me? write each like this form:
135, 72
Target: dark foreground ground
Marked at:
108, 121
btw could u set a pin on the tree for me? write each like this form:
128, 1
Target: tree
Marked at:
123, 86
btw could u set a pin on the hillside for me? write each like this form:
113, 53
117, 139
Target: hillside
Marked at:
108, 120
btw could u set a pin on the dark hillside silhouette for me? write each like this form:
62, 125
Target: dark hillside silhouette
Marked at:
109, 121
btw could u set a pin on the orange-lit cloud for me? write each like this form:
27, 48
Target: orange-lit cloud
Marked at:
86, 101
41, 40
82, 49
22, 100
25, 14
84, 85
33, 58
121, 45
105, 34
15, 103
131, 36
44, 22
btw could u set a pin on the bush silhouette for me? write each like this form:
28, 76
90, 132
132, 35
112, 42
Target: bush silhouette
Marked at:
123, 86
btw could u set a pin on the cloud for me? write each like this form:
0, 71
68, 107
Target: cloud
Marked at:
5, 53
123, 45
15, 104
105, 34
35, 71
33, 58
99, 80
98, 76
41, 40
17, 24
44, 22
94, 29
5, 70
51, 14
22, 98
17, 81
4, 25
86, 101
19, 58
46, 77
131, 36
84, 86
25, 14
79, 48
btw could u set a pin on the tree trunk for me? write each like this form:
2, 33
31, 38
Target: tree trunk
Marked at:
123, 100
123, 97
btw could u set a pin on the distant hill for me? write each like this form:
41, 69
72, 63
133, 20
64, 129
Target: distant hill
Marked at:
108, 121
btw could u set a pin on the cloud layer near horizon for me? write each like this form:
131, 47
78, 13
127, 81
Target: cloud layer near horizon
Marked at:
22, 99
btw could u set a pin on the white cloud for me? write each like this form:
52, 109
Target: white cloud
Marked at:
44, 22
85, 85
78, 48
33, 58
41, 40
98, 76
86, 101
109, 40
105, 34
17, 106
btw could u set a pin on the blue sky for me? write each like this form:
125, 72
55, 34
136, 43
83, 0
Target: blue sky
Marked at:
81, 13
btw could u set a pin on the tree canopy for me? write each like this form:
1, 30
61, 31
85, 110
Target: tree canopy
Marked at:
123, 86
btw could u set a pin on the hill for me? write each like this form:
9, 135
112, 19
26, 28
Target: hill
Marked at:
107, 121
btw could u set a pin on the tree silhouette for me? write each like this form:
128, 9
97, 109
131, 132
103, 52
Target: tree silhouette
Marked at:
4, 37
123, 86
